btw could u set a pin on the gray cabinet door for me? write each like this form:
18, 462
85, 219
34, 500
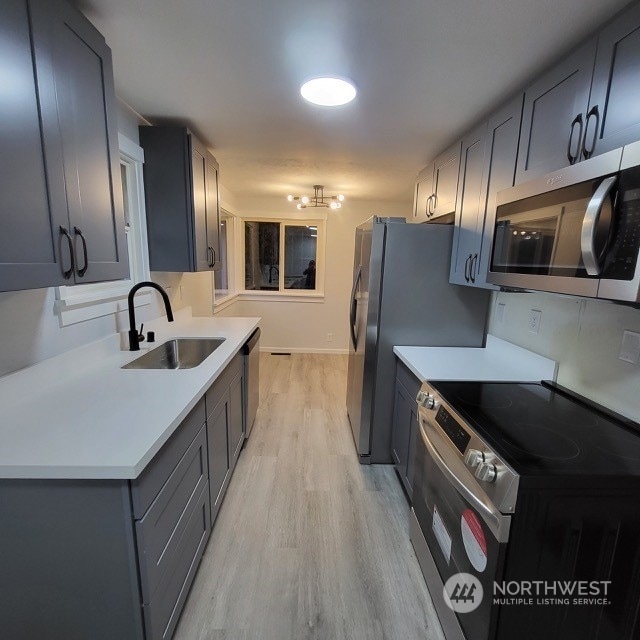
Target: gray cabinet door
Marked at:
405, 424
467, 234
236, 434
613, 118
213, 212
88, 129
503, 134
199, 194
423, 196
217, 443
554, 115
181, 193
33, 253
445, 182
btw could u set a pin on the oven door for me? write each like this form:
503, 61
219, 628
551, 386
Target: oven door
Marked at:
463, 531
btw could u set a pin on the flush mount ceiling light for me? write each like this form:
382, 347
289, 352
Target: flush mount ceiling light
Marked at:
318, 199
328, 92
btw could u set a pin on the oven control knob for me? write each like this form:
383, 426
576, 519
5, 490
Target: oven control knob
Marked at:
487, 472
474, 457
426, 400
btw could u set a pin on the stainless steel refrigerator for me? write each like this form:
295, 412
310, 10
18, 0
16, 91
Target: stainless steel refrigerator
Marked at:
401, 295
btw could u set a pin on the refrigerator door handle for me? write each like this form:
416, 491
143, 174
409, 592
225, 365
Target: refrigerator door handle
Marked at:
354, 305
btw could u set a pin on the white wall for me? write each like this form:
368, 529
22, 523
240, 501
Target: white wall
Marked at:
30, 328
303, 326
584, 336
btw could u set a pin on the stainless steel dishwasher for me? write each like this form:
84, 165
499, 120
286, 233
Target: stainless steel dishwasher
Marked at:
251, 352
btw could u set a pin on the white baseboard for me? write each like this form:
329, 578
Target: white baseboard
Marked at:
303, 350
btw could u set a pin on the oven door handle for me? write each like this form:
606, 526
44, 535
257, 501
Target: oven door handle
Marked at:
498, 524
591, 217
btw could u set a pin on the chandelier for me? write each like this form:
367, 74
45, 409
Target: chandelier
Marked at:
318, 199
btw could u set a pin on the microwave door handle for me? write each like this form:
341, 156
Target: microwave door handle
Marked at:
589, 224
497, 523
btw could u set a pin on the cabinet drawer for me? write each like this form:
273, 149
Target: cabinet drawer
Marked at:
162, 613
162, 527
146, 487
221, 385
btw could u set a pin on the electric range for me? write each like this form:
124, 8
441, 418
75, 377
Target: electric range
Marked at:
532, 493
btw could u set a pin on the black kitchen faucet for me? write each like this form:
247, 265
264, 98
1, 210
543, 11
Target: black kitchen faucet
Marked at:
134, 338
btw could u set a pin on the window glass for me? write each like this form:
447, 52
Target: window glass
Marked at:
300, 249
221, 277
262, 256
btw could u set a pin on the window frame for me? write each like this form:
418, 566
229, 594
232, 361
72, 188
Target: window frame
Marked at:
82, 302
301, 295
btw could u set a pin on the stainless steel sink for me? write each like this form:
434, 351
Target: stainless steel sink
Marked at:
181, 353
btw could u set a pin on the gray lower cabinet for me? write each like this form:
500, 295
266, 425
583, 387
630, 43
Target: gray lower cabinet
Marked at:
181, 192
60, 192
405, 425
225, 407
105, 559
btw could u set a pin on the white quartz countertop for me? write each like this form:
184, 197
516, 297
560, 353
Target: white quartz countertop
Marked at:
79, 415
499, 360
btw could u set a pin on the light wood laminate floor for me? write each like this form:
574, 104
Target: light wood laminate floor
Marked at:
308, 543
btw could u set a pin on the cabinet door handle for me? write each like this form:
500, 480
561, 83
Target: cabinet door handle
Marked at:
472, 266
213, 257
434, 200
467, 264
570, 156
82, 271
68, 272
426, 206
587, 153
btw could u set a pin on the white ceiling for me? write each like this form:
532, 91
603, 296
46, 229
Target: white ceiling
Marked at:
425, 70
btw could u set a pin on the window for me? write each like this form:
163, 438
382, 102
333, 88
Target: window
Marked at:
283, 256
83, 302
223, 278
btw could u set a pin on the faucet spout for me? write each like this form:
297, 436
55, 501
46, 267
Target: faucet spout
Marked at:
134, 340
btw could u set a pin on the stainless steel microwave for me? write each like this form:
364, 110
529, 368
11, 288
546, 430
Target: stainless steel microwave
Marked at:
575, 231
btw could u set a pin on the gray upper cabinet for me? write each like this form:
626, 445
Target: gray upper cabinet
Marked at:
554, 116
182, 210
423, 195
613, 118
445, 182
436, 186
60, 190
467, 235
501, 152
487, 166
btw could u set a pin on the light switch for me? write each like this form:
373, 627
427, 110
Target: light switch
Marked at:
500, 307
630, 347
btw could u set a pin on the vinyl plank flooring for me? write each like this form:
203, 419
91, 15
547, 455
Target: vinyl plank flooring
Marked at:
308, 544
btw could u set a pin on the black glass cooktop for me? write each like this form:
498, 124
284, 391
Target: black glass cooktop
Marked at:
539, 430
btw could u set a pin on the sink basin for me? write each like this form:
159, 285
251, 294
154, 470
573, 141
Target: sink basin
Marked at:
181, 353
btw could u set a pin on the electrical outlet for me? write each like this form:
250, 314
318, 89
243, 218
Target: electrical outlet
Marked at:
535, 318
630, 347
500, 307
329, 337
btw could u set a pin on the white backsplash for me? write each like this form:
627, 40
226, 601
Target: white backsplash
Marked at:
584, 336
